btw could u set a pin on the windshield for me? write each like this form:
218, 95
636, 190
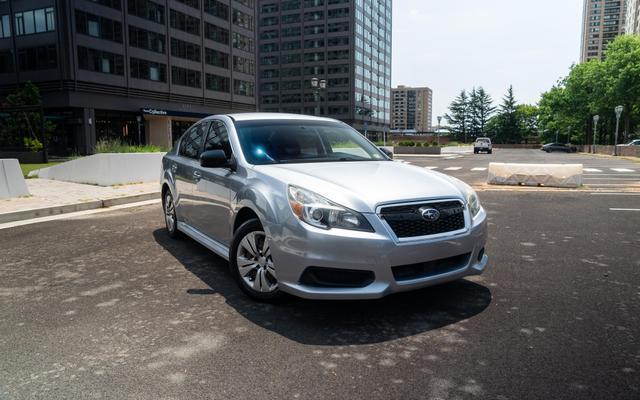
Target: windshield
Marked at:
300, 141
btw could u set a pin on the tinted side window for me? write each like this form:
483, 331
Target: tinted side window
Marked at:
218, 138
192, 139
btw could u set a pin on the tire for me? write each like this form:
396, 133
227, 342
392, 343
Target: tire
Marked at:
170, 216
475, 151
490, 152
251, 263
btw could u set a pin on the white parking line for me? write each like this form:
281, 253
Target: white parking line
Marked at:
431, 167
478, 169
624, 209
453, 168
592, 170
614, 194
622, 170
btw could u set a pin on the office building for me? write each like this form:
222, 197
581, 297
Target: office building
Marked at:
136, 70
632, 25
602, 21
411, 109
345, 43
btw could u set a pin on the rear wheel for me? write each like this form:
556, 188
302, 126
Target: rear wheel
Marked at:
251, 262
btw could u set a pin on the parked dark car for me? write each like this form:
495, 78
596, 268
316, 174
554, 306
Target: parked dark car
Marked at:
567, 148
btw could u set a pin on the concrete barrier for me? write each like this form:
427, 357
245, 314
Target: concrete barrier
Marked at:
554, 175
12, 182
415, 150
106, 169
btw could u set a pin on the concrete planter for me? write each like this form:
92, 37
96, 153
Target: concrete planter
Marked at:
12, 182
416, 150
107, 169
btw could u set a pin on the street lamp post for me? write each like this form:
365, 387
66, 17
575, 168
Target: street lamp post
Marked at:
139, 119
596, 118
618, 111
317, 85
438, 131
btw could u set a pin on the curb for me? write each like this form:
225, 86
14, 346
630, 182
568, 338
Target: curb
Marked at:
70, 208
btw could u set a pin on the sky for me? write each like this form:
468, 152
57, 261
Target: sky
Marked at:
450, 45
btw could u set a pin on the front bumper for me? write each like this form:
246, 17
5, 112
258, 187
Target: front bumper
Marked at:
297, 246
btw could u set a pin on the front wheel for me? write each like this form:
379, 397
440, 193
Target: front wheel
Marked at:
170, 218
251, 262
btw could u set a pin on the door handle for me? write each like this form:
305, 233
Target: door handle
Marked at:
197, 175
174, 167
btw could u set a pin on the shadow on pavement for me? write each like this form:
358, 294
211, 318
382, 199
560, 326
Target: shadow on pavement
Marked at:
334, 322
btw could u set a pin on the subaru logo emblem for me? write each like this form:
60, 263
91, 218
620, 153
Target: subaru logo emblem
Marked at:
429, 214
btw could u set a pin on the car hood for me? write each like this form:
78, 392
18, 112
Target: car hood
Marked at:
362, 186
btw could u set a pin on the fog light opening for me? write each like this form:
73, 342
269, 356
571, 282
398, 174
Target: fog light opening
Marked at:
480, 254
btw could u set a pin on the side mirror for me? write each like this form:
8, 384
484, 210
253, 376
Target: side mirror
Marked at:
388, 152
214, 159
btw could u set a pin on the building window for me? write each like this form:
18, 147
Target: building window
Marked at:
338, 27
6, 62
186, 50
100, 61
185, 77
269, 87
34, 21
242, 20
247, 3
339, 69
290, 19
243, 88
338, 41
147, 9
37, 58
191, 3
313, 30
5, 26
243, 42
290, 5
115, 4
99, 27
313, 57
184, 22
216, 33
290, 72
269, 73
338, 55
338, 13
148, 70
270, 99
314, 70
291, 58
269, 21
294, 45
269, 8
147, 40
244, 65
217, 83
270, 34
269, 47
291, 85
217, 9
216, 58
293, 31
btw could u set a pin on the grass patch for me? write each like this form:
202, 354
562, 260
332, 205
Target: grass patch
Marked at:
26, 168
117, 146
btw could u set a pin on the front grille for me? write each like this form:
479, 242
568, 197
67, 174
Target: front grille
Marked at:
336, 277
430, 268
406, 221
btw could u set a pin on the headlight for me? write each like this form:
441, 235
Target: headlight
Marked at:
317, 211
474, 203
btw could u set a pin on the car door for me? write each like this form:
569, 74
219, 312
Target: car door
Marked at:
185, 169
213, 190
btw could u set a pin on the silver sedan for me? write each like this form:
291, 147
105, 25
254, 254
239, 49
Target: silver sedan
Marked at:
308, 206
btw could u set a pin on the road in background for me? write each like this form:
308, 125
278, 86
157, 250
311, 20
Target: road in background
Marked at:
600, 173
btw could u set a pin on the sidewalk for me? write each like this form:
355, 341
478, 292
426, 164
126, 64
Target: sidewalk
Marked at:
50, 197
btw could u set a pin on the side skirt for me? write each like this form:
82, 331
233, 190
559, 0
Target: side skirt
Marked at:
213, 245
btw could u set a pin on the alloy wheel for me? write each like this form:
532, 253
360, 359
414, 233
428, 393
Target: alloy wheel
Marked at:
255, 264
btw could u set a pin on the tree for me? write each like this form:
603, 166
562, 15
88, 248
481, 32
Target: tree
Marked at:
459, 117
508, 128
24, 128
527, 116
481, 109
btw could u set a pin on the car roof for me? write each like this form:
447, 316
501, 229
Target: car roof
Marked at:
256, 116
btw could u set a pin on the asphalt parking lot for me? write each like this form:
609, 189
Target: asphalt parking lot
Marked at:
107, 306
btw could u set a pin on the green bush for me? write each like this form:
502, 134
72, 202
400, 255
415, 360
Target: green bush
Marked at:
117, 146
407, 143
32, 144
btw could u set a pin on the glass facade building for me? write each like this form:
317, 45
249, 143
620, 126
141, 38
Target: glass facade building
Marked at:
347, 43
130, 69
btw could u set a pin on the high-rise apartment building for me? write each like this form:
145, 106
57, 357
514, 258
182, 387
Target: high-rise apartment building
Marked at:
603, 20
346, 43
632, 25
130, 69
411, 109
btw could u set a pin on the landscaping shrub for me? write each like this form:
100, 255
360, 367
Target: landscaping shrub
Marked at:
117, 146
407, 143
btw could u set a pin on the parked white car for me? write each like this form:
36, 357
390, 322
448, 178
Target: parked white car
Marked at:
482, 144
